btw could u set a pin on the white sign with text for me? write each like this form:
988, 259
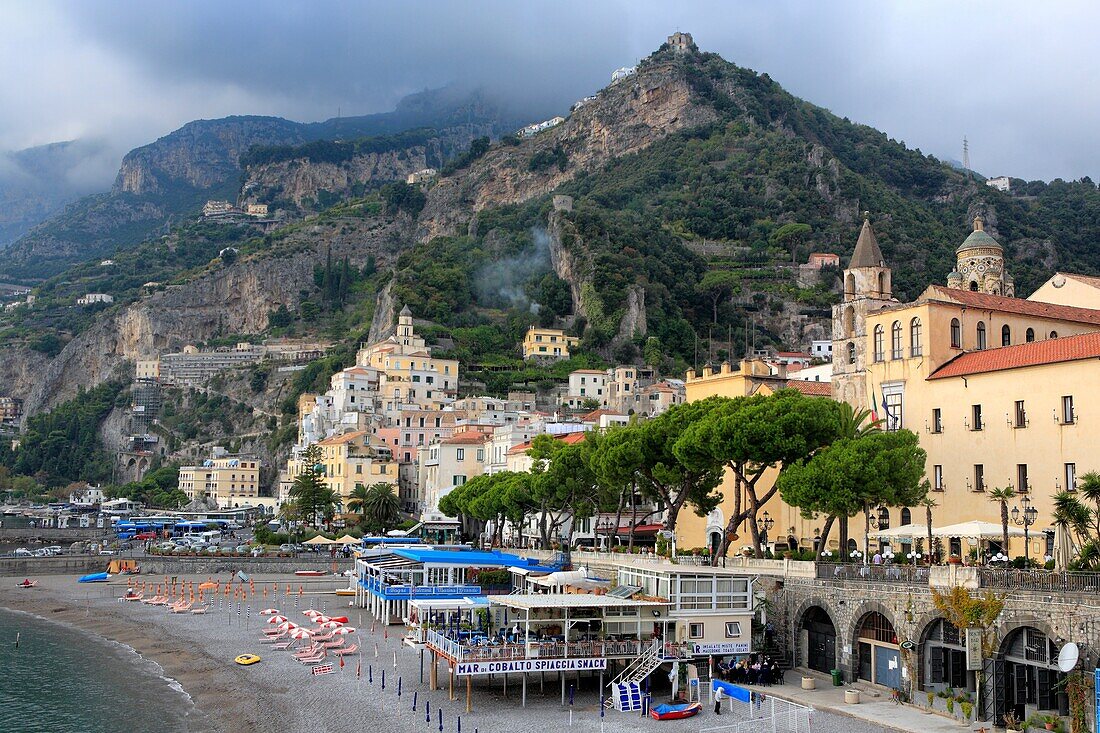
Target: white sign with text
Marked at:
469, 669
724, 647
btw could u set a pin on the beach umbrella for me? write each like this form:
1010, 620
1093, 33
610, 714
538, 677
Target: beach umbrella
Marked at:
1063, 548
287, 626
277, 619
311, 613
330, 625
300, 633
343, 631
269, 612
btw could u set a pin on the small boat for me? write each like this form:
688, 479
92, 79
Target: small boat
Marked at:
310, 573
345, 591
28, 584
675, 712
246, 659
95, 578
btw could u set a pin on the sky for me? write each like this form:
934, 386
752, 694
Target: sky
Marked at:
1015, 78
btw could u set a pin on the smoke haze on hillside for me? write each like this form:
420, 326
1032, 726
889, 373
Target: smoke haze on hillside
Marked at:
1014, 77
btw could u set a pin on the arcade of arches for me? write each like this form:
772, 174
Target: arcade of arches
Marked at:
1022, 677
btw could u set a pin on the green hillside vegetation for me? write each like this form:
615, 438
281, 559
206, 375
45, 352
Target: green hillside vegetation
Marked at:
63, 445
335, 151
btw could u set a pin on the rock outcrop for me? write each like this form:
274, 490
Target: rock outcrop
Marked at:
626, 117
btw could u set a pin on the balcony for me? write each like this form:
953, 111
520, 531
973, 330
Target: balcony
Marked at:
474, 647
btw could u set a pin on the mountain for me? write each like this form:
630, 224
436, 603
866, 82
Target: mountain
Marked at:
172, 177
36, 183
654, 222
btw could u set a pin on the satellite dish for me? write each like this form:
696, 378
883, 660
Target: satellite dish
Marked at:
1068, 656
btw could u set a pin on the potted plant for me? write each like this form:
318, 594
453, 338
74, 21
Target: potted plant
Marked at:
967, 708
931, 698
951, 705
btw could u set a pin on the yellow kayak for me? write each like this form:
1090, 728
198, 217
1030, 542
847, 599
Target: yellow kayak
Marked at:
246, 659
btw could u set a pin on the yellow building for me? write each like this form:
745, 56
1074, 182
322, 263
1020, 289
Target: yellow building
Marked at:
231, 481
408, 373
547, 343
996, 388
351, 459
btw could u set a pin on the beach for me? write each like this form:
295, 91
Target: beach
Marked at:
280, 695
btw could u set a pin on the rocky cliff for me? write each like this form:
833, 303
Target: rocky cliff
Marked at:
232, 300
627, 116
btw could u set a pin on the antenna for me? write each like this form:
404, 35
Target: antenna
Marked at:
966, 154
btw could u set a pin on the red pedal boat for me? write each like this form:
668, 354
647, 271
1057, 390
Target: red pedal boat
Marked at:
675, 712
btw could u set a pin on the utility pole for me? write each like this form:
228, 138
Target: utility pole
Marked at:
966, 154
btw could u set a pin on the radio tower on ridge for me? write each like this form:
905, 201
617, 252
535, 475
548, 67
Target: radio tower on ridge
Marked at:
966, 154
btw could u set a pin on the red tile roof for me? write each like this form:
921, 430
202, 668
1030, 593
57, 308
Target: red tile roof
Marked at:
469, 437
1019, 306
345, 438
641, 529
567, 438
595, 415
1037, 353
812, 389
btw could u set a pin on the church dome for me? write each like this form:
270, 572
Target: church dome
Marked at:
978, 238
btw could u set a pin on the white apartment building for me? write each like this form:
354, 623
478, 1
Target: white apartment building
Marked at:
587, 384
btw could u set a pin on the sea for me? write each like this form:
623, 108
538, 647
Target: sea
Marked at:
64, 680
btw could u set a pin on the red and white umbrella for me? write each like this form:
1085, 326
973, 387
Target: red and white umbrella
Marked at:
287, 626
321, 619
269, 612
300, 633
311, 612
330, 625
343, 631
277, 620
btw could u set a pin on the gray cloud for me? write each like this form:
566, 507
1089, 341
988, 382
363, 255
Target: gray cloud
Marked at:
1012, 76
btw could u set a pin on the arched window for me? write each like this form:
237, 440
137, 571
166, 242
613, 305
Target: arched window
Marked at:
895, 340
851, 352
1053, 334
974, 285
882, 289
1029, 335
916, 348
879, 347
1006, 335
981, 335
906, 517
956, 334
849, 321
850, 285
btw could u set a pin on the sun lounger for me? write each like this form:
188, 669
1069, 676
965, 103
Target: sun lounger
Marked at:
312, 660
155, 601
282, 644
309, 651
132, 597
338, 642
180, 608
323, 637
200, 610
271, 639
344, 651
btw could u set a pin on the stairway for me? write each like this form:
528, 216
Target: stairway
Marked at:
643, 666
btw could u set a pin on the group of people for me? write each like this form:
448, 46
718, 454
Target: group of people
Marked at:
755, 669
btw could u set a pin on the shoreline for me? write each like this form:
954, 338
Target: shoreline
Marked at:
205, 680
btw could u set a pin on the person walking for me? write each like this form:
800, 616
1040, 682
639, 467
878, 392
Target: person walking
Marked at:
719, 696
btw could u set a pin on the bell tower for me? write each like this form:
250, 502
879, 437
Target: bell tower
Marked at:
980, 265
867, 288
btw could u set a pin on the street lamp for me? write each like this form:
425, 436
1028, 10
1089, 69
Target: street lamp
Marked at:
1025, 519
873, 521
764, 525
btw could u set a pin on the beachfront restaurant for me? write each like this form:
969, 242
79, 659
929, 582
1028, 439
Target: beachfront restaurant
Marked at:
566, 634
390, 579
711, 609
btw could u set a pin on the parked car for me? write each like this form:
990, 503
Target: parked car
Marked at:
106, 552
23, 552
142, 536
243, 549
53, 549
257, 551
167, 546
210, 550
288, 548
181, 550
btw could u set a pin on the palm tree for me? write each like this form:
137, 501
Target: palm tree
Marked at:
1003, 496
928, 503
852, 424
358, 498
380, 505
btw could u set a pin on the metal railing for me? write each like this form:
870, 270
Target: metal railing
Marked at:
873, 573
1039, 580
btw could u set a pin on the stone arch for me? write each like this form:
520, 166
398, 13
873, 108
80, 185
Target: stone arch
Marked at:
922, 626
851, 637
849, 285
797, 619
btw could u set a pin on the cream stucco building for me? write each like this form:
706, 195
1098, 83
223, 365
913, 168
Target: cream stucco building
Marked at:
230, 481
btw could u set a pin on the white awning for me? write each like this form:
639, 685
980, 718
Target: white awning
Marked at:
904, 532
976, 530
